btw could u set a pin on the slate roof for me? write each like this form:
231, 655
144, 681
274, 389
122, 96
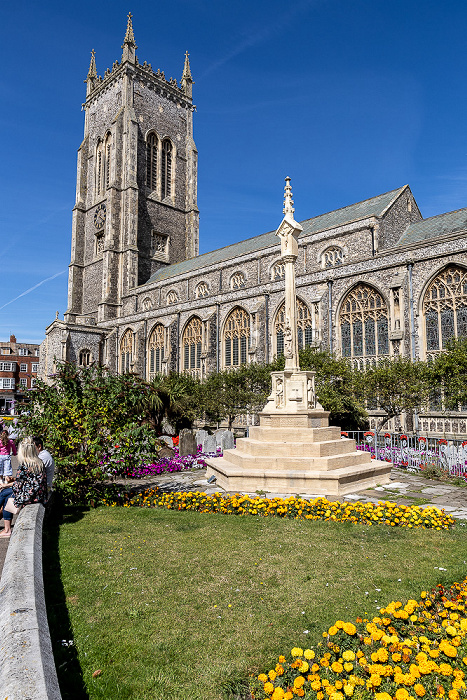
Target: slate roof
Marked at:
440, 225
354, 212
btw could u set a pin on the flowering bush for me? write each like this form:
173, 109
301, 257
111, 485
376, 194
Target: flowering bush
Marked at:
118, 464
409, 651
385, 513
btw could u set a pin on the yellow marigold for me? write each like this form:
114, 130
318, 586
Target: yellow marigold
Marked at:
279, 669
272, 675
348, 655
383, 655
282, 659
339, 624
304, 666
396, 657
445, 669
401, 694
296, 651
458, 684
453, 695
337, 667
336, 696
451, 630
262, 677
309, 654
278, 694
268, 688
348, 690
348, 666
315, 685
298, 682
383, 696
349, 628
419, 689
333, 630
288, 695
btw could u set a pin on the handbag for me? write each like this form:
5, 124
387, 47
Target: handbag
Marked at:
10, 506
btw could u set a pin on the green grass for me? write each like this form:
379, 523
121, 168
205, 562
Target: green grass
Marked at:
146, 594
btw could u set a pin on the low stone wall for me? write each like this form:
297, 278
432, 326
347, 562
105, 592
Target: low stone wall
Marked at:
27, 668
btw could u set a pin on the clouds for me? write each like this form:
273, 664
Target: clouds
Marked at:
31, 289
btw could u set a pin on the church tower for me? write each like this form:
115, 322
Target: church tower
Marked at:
136, 188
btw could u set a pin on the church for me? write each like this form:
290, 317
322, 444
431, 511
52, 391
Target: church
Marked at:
374, 279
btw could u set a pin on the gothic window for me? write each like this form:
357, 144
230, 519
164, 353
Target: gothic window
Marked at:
172, 297
99, 243
364, 325
156, 351
107, 151
147, 304
332, 257
191, 344
99, 168
445, 308
126, 352
85, 358
151, 161
278, 271
166, 170
159, 244
236, 335
202, 290
305, 330
237, 281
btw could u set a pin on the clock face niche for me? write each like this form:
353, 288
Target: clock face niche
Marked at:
99, 216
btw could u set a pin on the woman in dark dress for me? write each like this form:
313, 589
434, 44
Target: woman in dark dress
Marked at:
29, 486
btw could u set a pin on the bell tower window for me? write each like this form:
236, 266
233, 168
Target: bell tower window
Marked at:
151, 162
166, 171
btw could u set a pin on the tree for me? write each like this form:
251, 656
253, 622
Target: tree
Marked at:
448, 375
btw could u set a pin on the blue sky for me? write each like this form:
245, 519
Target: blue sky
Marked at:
350, 98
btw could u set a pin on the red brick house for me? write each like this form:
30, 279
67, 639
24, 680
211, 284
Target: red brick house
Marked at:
19, 363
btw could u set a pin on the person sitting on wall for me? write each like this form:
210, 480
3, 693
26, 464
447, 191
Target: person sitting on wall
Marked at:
48, 460
7, 448
29, 486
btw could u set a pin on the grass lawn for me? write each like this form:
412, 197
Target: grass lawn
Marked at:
184, 605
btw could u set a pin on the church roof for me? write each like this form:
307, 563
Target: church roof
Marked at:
375, 206
441, 225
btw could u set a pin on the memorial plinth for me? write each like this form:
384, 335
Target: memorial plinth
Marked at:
294, 450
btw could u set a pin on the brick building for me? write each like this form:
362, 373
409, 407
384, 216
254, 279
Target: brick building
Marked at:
374, 279
19, 364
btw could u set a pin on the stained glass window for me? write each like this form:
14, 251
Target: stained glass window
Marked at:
191, 343
364, 324
306, 333
236, 334
156, 350
445, 308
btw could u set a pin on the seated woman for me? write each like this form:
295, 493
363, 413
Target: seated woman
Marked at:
29, 486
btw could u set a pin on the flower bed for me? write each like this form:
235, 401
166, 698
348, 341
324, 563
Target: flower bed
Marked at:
164, 465
317, 509
409, 651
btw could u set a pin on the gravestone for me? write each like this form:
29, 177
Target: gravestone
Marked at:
187, 444
201, 435
228, 442
210, 444
219, 433
167, 439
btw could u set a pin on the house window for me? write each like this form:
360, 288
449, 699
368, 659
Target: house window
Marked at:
166, 169
305, 331
237, 281
332, 257
6, 383
23, 367
151, 162
202, 290
236, 335
23, 381
85, 358
23, 351
7, 366
192, 338
445, 309
33, 382
364, 325
34, 367
156, 351
126, 352
278, 271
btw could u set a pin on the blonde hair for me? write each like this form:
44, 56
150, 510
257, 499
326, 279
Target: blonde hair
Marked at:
27, 456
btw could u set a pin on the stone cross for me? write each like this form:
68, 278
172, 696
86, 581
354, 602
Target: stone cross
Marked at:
288, 232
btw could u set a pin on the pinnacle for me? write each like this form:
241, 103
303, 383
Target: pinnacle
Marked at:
129, 36
288, 201
186, 68
92, 73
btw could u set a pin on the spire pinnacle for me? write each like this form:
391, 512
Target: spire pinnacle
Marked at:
92, 73
187, 80
288, 201
129, 45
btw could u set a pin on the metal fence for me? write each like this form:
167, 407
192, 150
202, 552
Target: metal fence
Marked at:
414, 452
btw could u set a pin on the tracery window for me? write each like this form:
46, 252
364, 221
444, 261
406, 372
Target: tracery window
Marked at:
99, 168
156, 350
166, 169
445, 308
237, 281
107, 152
147, 304
172, 297
364, 324
332, 257
278, 271
126, 352
85, 358
151, 162
202, 290
192, 338
305, 331
236, 335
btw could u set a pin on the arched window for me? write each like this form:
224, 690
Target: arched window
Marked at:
166, 170
147, 304
99, 173
192, 338
445, 308
305, 330
278, 271
151, 161
332, 257
126, 352
156, 350
237, 281
172, 297
85, 358
364, 324
202, 290
236, 334
107, 151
